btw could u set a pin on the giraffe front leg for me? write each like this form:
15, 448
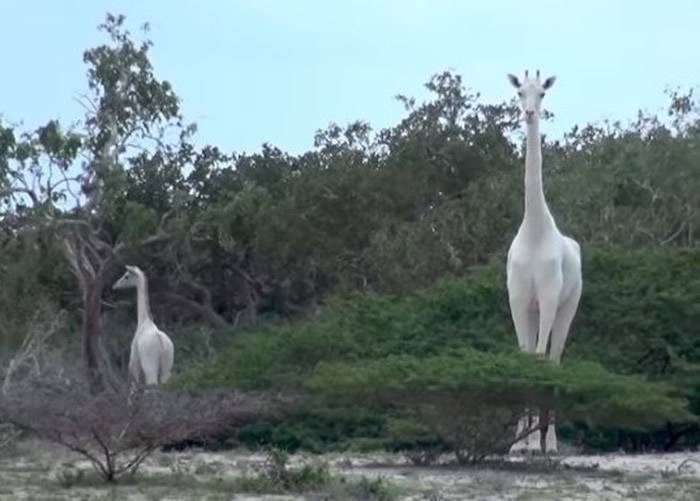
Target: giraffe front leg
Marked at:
530, 442
525, 322
522, 445
548, 311
550, 445
534, 439
560, 332
549, 284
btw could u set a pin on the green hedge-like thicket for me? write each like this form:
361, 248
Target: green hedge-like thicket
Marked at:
638, 316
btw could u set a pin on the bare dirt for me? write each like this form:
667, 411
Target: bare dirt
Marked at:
37, 471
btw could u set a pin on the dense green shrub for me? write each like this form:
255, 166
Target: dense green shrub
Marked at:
640, 311
270, 235
634, 304
468, 312
318, 429
581, 390
639, 314
473, 399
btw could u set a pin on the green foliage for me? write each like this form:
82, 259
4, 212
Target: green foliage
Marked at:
471, 400
306, 478
640, 311
416, 438
368, 229
376, 489
451, 314
318, 428
452, 344
31, 274
143, 221
583, 390
277, 477
392, 210
123, 62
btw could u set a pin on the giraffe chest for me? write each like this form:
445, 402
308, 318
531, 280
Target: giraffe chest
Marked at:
524, 287
532, 273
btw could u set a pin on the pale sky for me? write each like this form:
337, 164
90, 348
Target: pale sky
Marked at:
259, 71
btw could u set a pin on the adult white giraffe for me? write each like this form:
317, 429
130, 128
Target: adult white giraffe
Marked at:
543, 268
152, 351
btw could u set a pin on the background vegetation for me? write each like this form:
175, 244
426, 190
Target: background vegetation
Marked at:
371, 262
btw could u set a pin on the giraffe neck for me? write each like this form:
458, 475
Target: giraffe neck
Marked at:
143, 306
537, 216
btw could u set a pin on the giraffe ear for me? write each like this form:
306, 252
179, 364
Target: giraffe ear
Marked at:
129, 268
514, 81
548, 83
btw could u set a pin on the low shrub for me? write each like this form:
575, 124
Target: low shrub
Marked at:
116, 429
472, 400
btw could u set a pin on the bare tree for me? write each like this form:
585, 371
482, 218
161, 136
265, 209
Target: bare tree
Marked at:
30, 358
115, 430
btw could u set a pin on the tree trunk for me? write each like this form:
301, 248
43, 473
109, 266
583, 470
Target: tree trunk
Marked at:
92, 311
89, 267
673, 436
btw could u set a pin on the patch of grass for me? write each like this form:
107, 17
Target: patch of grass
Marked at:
307, 480
275, 476
67, 475
184, 484
684, 489
377, 489
253, 484
24, 468
529, 495
285, 479
364, 489
432, 495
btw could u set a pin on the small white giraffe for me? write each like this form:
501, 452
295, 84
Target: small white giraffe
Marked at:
543, 268
152, 351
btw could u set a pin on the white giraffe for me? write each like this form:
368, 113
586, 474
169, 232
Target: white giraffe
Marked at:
152, 351
543, 268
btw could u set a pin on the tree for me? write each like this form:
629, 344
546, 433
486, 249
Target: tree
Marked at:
130, 119
115, 430
472, 400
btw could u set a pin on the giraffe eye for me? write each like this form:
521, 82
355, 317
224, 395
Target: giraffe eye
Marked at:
541, 94
521, 93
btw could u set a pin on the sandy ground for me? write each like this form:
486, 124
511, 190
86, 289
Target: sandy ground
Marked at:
35, 471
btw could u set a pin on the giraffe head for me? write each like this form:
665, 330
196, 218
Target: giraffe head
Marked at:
531, 91
130, 278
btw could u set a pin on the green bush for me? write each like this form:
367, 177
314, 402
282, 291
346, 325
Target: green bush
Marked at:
640, 312
581, 390
317, 429
638, 315
472, 399
454, 313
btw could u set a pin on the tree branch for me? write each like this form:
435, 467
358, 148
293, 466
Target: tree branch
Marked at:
205, 312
